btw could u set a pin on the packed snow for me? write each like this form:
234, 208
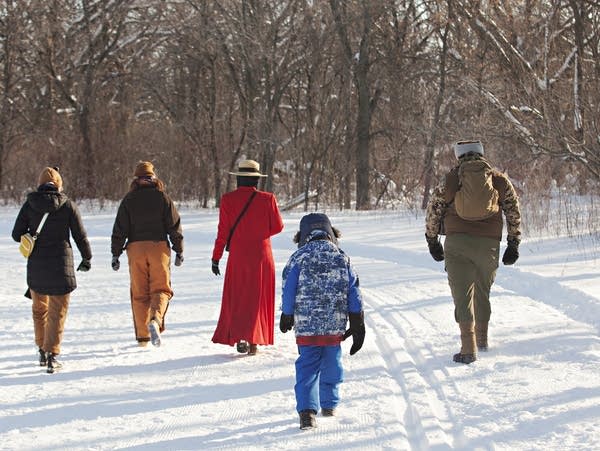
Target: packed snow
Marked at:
538, 387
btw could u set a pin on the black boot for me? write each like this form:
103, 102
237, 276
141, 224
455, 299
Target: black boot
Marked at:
464, 358
43, 361
328, 411
308, 419
53, 364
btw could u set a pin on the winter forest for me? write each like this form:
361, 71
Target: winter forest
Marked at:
351, 107
349, 104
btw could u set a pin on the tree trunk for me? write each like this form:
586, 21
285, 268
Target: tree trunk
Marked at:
432, 141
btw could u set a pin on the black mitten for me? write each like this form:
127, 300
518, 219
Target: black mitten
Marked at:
357, 330
511, 254
435, 248
286, 322
115, 263
84, 266
215, 268
178, 259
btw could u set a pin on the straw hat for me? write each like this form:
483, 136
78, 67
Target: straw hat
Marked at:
248, 168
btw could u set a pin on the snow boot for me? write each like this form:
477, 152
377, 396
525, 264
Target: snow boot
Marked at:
242, 347
43, 361
467, 349
327, 411
308, 419
252, 349
53, 364
154, 330
481, 335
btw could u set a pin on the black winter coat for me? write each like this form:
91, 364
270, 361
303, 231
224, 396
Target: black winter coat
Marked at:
146, 214
50, 268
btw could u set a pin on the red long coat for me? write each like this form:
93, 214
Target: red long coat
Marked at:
248, 303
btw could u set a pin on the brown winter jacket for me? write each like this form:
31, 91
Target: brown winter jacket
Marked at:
441, 210
146, 214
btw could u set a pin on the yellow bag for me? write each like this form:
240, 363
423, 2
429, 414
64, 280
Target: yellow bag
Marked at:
28, 241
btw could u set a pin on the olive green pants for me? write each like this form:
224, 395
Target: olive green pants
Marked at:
471, 264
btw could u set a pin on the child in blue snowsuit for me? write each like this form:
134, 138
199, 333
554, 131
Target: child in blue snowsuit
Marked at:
320, 293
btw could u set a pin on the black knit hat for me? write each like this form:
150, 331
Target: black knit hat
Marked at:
315, 222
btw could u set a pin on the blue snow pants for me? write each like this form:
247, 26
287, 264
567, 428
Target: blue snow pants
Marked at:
319, 373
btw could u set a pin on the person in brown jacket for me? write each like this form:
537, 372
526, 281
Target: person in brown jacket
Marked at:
472, 222
146, 221
50, 269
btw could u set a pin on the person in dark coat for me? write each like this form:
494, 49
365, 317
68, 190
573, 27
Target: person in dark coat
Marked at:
247, 316
50, 270
146, 220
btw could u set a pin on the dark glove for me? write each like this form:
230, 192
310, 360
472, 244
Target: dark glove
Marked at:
115, 263
357, 330
435, 248
215, 268
286, 322
178, 259
511, 254
84, 266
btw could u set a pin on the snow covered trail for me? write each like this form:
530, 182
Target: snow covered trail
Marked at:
537, 388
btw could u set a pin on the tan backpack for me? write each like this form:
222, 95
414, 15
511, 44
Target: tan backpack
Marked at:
476, 197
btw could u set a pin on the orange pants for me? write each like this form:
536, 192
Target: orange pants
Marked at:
150, 278
49, 315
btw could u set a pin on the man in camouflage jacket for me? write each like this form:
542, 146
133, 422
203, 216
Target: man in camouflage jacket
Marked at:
471, 249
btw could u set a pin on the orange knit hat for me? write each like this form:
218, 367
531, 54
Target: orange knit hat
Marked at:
50, 175
144, 169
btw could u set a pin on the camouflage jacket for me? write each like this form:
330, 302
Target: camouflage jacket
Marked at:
442, 219
320, 287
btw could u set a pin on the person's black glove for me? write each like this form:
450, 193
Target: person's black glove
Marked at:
511, 254
435, 248
84, 266
286, 322
215, 268
357, 330
178, 259
115, 263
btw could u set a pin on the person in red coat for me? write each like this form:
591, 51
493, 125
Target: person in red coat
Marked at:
248, 218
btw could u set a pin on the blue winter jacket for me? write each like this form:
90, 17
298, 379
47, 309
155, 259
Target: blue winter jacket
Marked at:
320, 287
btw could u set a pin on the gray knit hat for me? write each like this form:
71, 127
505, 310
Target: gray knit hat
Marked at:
464, 147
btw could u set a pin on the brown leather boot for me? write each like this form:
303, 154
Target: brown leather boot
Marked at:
467, 349
481, 336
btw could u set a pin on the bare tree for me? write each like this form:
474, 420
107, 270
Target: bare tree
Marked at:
367, 92
541, 52
84, 41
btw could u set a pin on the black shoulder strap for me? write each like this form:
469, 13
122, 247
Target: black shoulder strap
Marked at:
238, 220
